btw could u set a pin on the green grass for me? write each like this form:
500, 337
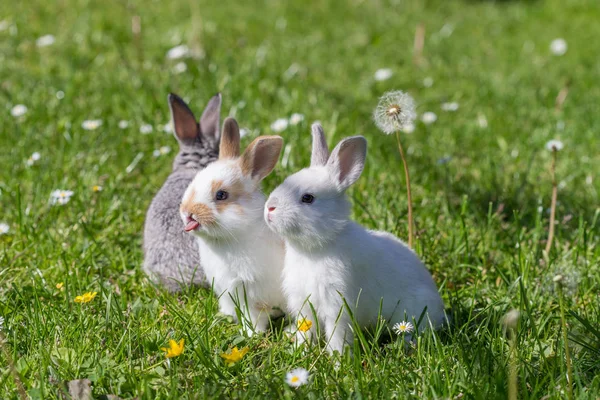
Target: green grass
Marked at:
480, 228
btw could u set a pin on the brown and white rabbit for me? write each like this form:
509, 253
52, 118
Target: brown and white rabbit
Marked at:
170, 255
222, 207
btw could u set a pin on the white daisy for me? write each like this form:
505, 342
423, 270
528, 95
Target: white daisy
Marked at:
395, 110
180, 67
146, 129
428, 82
403, 327
44, 41
408, 128
279, 125
4, 228
429, 117
33, 158
297, 377
558, 47
383, 74
123, 124
18, 110
162, 151
554, 145
60, 197
452, 106
178, 52
296, 118
91, 124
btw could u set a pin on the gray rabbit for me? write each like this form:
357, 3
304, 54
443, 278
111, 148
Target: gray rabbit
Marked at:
171, 257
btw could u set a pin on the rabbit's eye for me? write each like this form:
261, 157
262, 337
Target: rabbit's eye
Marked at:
221, 195
308, 198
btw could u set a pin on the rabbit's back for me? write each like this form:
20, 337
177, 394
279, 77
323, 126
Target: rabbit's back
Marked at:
171, 256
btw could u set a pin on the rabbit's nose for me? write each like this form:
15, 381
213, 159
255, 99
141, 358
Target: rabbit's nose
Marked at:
271, 209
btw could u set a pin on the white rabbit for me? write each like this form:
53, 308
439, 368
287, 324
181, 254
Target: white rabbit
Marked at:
330, 258
223, 208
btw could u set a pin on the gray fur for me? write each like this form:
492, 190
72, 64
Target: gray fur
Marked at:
171, 256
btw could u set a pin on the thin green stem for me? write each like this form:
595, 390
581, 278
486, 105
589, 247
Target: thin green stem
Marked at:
408, 192
563, 322
11, 367
552, 205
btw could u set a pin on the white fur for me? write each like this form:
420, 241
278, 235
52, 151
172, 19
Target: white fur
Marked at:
242, 258
329, 257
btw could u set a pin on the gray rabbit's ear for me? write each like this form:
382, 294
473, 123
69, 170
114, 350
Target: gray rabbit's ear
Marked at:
261, 156
184, 122
230, 140
320, 152
209, 121
347, 161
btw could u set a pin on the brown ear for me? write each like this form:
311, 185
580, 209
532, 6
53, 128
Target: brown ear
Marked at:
230, 140
261, 156
184, 122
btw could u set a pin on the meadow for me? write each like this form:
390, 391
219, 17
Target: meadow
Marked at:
90, 101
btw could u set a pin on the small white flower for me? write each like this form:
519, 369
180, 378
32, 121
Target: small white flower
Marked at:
4, 228
297, 377
408, 128
395, 110
178, 52
428, 82
279, 125
296, 118
60, 95
146, 129
553, 145
123, 124
482, 121
403, 327
429, 117
168, 127
452, 106
164, 150
60, 197
514, 153
156, 153
18, 110
91, 124
180, 67
589, 180
558, 47
44, 41
383, 74
244, 132
33, 158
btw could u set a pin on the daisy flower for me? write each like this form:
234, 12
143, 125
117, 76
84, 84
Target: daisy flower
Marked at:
45, 41
146, 129
383, 74
279, 125
33, 158
91, 124
558, 47
403, 327
162, 151
4, 228
395, 109
297, 377
451, 106
60, 197
296, 118
18, 110
96, 188
554, 145
178, 52
428, 117
123, 124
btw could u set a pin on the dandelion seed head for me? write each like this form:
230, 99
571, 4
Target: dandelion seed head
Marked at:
558, 47
178, 52
429, 118
554, 145
4, 228
383, 74
395, 110
279, 125
18, 110
45, 41
123, 124
60, 95
428, 82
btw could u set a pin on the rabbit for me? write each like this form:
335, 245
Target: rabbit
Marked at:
222, 207
170, 256
330, 259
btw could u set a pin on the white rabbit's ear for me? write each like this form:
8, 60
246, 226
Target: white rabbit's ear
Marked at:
209, 121
347, 161
261, 156
184, 122
320, 152
230, 140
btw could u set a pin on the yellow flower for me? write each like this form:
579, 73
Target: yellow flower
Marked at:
304, 324
86, 297
234, 355
97, 188
59, 286
175, 349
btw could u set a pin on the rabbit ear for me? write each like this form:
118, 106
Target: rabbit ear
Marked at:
209, 121
184, 122
261, 156
320, 152
347, 161
230, 140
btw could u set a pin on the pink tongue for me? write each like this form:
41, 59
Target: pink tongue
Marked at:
191, 225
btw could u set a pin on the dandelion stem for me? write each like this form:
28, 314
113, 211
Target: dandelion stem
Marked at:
408, 193
11, 367
553, 204
512, 368
565, 335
